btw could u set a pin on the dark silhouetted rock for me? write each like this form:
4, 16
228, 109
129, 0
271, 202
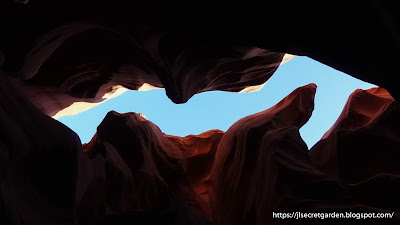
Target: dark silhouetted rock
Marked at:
88, 56
191, 48
39, 164
246, 167
364, 141
142, 169
137, 173
132, 173
263, 166
67, 56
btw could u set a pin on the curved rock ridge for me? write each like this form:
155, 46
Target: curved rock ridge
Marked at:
186, 71
199, 152
262, 166
64, 52
88, 57
48, 177
364, 141
132, 173
39, 160
246, 165
146, 170
142, 169
174, 45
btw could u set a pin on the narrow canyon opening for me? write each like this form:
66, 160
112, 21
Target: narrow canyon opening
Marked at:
250, 121
219, 110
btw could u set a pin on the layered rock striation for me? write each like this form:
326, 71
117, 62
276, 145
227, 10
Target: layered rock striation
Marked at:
131, 172
68, 62
60, 58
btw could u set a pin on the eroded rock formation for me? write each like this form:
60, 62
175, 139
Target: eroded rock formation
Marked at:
39, 161
364, 142
78, 53
246, 172
131, 172
59, 58
87, 60
141, 169
199, 153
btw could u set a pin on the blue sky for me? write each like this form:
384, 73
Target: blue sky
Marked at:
219, 110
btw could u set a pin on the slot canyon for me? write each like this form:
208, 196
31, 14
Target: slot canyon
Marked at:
62, 58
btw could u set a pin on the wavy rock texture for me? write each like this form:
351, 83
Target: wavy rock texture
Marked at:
245, 171
364, 141
59, 59
132, 173
78, 59
199, 153
145, 171
263, 166
56, 55
172, 44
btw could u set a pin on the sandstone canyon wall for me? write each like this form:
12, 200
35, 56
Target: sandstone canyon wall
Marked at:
131, 172
57, 55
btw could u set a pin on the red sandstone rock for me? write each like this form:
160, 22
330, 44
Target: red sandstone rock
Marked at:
83, 60
145, 170
199, 152
163, 42
142, 169
246, 167
132, 173
363, 142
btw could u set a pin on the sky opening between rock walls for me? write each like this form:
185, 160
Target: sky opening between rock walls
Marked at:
219, 110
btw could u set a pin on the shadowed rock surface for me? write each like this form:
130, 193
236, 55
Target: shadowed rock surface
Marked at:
245, 171
82, 58
54, 55
263, 166
39, 160
143, 171
199, 153
58, 57
364, 142
131, 172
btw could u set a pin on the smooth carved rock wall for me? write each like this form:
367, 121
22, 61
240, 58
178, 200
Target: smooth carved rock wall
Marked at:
55, 54
146, 170
142, 169
195, 178
87, 57
364, 142
59, 58
246, 167
199, 153
39, 164
263, 166
159, 42
131, 172
259, 166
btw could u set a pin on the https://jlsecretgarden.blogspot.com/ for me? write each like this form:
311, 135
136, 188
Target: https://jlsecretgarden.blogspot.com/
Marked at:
332, 215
